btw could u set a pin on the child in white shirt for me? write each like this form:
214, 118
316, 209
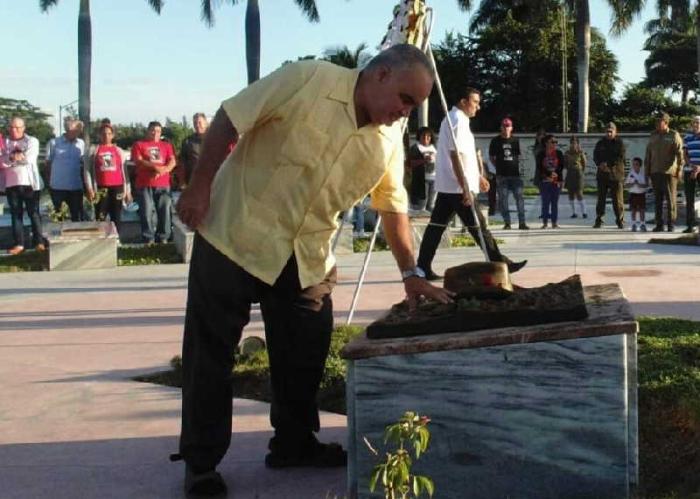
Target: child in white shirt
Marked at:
636, 184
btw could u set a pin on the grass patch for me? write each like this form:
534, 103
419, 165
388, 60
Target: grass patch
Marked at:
533, 191
126, 255
669, 407
25, 261
669, 399
684, 240
360, 244
251, 374
147, 255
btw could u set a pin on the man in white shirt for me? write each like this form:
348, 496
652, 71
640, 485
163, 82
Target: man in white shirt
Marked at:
457, 186
18, 164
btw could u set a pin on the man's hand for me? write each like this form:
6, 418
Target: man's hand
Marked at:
467, 198
417, 286
128, 198
695, 172
484, 184
193, 204
90, 195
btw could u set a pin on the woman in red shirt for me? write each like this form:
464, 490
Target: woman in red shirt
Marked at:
106, 179
550, 165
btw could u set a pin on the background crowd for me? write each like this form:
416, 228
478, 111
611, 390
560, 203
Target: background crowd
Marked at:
104, 181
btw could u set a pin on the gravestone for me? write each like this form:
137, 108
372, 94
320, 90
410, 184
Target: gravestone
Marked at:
541, 411
82, 245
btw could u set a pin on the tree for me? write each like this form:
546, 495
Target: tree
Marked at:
672, 44
34, 118
624, 11
343, 56
516, 63
252, 28
637, 108
85, 55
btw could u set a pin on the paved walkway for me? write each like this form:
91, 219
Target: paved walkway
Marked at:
73, 424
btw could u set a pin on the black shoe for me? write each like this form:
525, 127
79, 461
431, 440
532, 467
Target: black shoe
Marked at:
598, 224
311, 453
689, 230
671, 228
574, 215
658, 228
506, 226
523, 226
513, 267
620, 225
205, 484
585, 215
432, 276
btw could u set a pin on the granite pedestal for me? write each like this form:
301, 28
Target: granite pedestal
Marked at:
82, 245
545, 411
183, 237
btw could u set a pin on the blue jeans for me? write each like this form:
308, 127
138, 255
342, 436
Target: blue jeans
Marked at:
19, 198
550, 201
514, 185
155, 205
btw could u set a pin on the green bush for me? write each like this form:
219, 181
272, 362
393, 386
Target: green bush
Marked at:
148, 255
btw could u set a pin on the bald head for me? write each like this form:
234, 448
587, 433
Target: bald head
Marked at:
399, 57
16, 128
392, 84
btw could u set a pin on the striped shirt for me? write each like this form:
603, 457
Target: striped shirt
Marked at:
691, 143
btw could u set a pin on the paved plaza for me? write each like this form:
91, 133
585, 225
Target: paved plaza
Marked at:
74, 424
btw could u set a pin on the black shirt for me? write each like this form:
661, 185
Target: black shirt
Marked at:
507, 154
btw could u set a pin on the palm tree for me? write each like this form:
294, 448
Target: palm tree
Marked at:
624, 12
671, 44
343, 56
85, 56
252, 28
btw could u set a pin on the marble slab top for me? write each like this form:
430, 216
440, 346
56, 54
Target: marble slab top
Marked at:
608, 314
78, 231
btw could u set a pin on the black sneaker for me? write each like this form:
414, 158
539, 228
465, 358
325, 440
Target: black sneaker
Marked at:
689, 230
574, 215
432, 276
206, 484
658, 228
523, 226
671, 228
585, 215
311, 453
620, 225
513, 267
598, 224
506, 226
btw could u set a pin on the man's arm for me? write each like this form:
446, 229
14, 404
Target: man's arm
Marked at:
647, 160
193, 204
679, 154
397, 230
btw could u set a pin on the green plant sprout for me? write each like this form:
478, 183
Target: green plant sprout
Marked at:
411, 431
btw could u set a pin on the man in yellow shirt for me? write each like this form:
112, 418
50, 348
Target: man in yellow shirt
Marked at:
314, 140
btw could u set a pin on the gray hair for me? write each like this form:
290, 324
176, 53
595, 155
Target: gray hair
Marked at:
71, 123
400, 57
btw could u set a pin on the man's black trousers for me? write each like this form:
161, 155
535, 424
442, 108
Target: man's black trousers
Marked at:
298, 325
446, 205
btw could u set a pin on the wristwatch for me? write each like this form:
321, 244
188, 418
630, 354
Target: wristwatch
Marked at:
414, 272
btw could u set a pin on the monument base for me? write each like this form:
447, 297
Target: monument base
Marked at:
545, 411
83, 245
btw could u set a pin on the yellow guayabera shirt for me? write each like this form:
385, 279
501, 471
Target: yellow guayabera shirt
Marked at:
300, 160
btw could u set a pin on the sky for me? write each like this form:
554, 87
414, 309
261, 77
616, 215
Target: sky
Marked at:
148, 67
